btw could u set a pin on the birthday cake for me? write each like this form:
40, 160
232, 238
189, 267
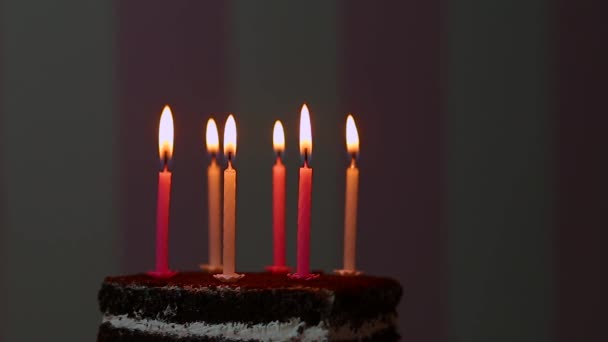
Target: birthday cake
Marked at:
194, 306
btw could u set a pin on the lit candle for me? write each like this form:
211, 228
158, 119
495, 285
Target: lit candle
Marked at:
350, 205
278, 202
213, 200
228, 271
304, 200
165, 149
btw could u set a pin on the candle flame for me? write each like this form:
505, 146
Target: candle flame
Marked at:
305, 133
212, 138
165, 134
230, 136
352, 136
278, 137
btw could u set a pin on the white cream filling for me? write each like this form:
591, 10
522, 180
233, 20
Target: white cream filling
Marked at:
273, 331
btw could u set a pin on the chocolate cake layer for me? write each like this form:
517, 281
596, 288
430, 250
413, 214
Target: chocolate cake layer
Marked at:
257, 298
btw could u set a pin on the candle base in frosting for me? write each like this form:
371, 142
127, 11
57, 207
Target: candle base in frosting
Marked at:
348, 272
228, 278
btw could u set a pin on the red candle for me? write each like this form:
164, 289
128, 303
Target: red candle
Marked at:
278, 202
304, 205
165, 149
162, 221
304, 200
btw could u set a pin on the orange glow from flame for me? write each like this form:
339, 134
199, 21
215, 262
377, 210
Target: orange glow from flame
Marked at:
352, 136
212, 137
230, 136
165, 134
278, 137
305, 132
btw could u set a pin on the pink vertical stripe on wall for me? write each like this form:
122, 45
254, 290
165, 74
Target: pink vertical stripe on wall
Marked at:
389, 79
582, 171
175, 53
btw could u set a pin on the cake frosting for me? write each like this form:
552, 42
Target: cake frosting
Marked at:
292, 329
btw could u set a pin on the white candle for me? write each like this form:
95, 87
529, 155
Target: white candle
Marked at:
229, 219
213, 200
229, 253
351, 198
350, 217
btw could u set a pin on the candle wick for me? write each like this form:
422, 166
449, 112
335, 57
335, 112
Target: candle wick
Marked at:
165, 160
230, 159
305, 157
353, 160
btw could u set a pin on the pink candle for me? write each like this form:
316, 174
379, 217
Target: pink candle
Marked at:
304, 200
278, 217
165, 150
162, 221
278, 202
304, 205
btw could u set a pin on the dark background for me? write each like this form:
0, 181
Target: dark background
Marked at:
483, 151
